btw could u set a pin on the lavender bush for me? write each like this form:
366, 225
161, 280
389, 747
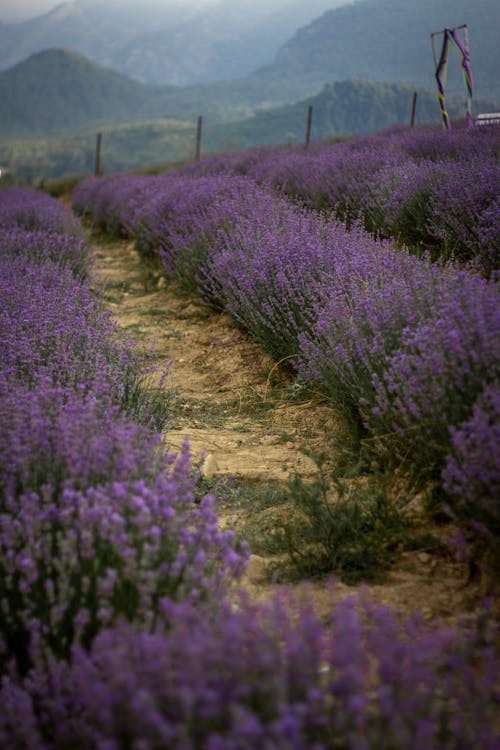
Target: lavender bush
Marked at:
361, 306
467, 220
56, 438
418, 203
398, 203
40, 246
32, 210
271, 264
180, 222
75, 560
54, 329
460, 144
111, 202
96, 521
431, 382
401, 182
272, 676
472, 472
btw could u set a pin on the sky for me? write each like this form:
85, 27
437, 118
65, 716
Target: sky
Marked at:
21, 10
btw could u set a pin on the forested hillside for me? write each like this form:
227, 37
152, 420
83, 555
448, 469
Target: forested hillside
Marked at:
389, 40
58, 90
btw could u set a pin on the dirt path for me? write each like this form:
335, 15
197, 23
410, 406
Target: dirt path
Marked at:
234, 407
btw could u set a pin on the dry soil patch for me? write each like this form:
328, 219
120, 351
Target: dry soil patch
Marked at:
233, 406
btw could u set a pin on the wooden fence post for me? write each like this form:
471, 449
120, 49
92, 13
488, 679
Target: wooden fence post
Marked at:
97, 168
413, 109
198, 137
309, 125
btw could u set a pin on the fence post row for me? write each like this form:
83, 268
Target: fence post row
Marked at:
198, 137
97, 168
199, 125
413, 109
309, 124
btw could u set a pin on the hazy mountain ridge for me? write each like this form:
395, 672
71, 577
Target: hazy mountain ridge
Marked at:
176, 44
378, 40
62, 93
389, 40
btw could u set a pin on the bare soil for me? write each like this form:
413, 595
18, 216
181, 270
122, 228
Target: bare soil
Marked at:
233, 404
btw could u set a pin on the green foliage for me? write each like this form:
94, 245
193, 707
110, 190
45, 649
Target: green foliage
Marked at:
342, 526
147, 404
124, 147
59, 188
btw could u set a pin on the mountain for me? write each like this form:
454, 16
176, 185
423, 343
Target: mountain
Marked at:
173, 42
95, 29
389, 40
58, 90
377, 40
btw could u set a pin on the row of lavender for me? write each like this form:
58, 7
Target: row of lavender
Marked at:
407, 349
431, 189
96, 522
115, 629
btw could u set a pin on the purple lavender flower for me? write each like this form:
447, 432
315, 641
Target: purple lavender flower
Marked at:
472, 471
430, 383
41, 246
272, 676
33, 210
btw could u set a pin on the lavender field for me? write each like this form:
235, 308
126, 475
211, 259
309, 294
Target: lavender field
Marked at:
396, 318
372, 267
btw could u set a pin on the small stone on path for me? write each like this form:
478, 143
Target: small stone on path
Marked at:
210, 466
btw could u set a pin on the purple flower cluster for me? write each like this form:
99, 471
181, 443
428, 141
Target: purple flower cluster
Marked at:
112, 202
50, 334
97, 522
467, 220
181, 218
272, 265
66, 250
472, 471
430, 384
419, 203
31, 210
76, 558
428, 188
273, 676
55, 437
